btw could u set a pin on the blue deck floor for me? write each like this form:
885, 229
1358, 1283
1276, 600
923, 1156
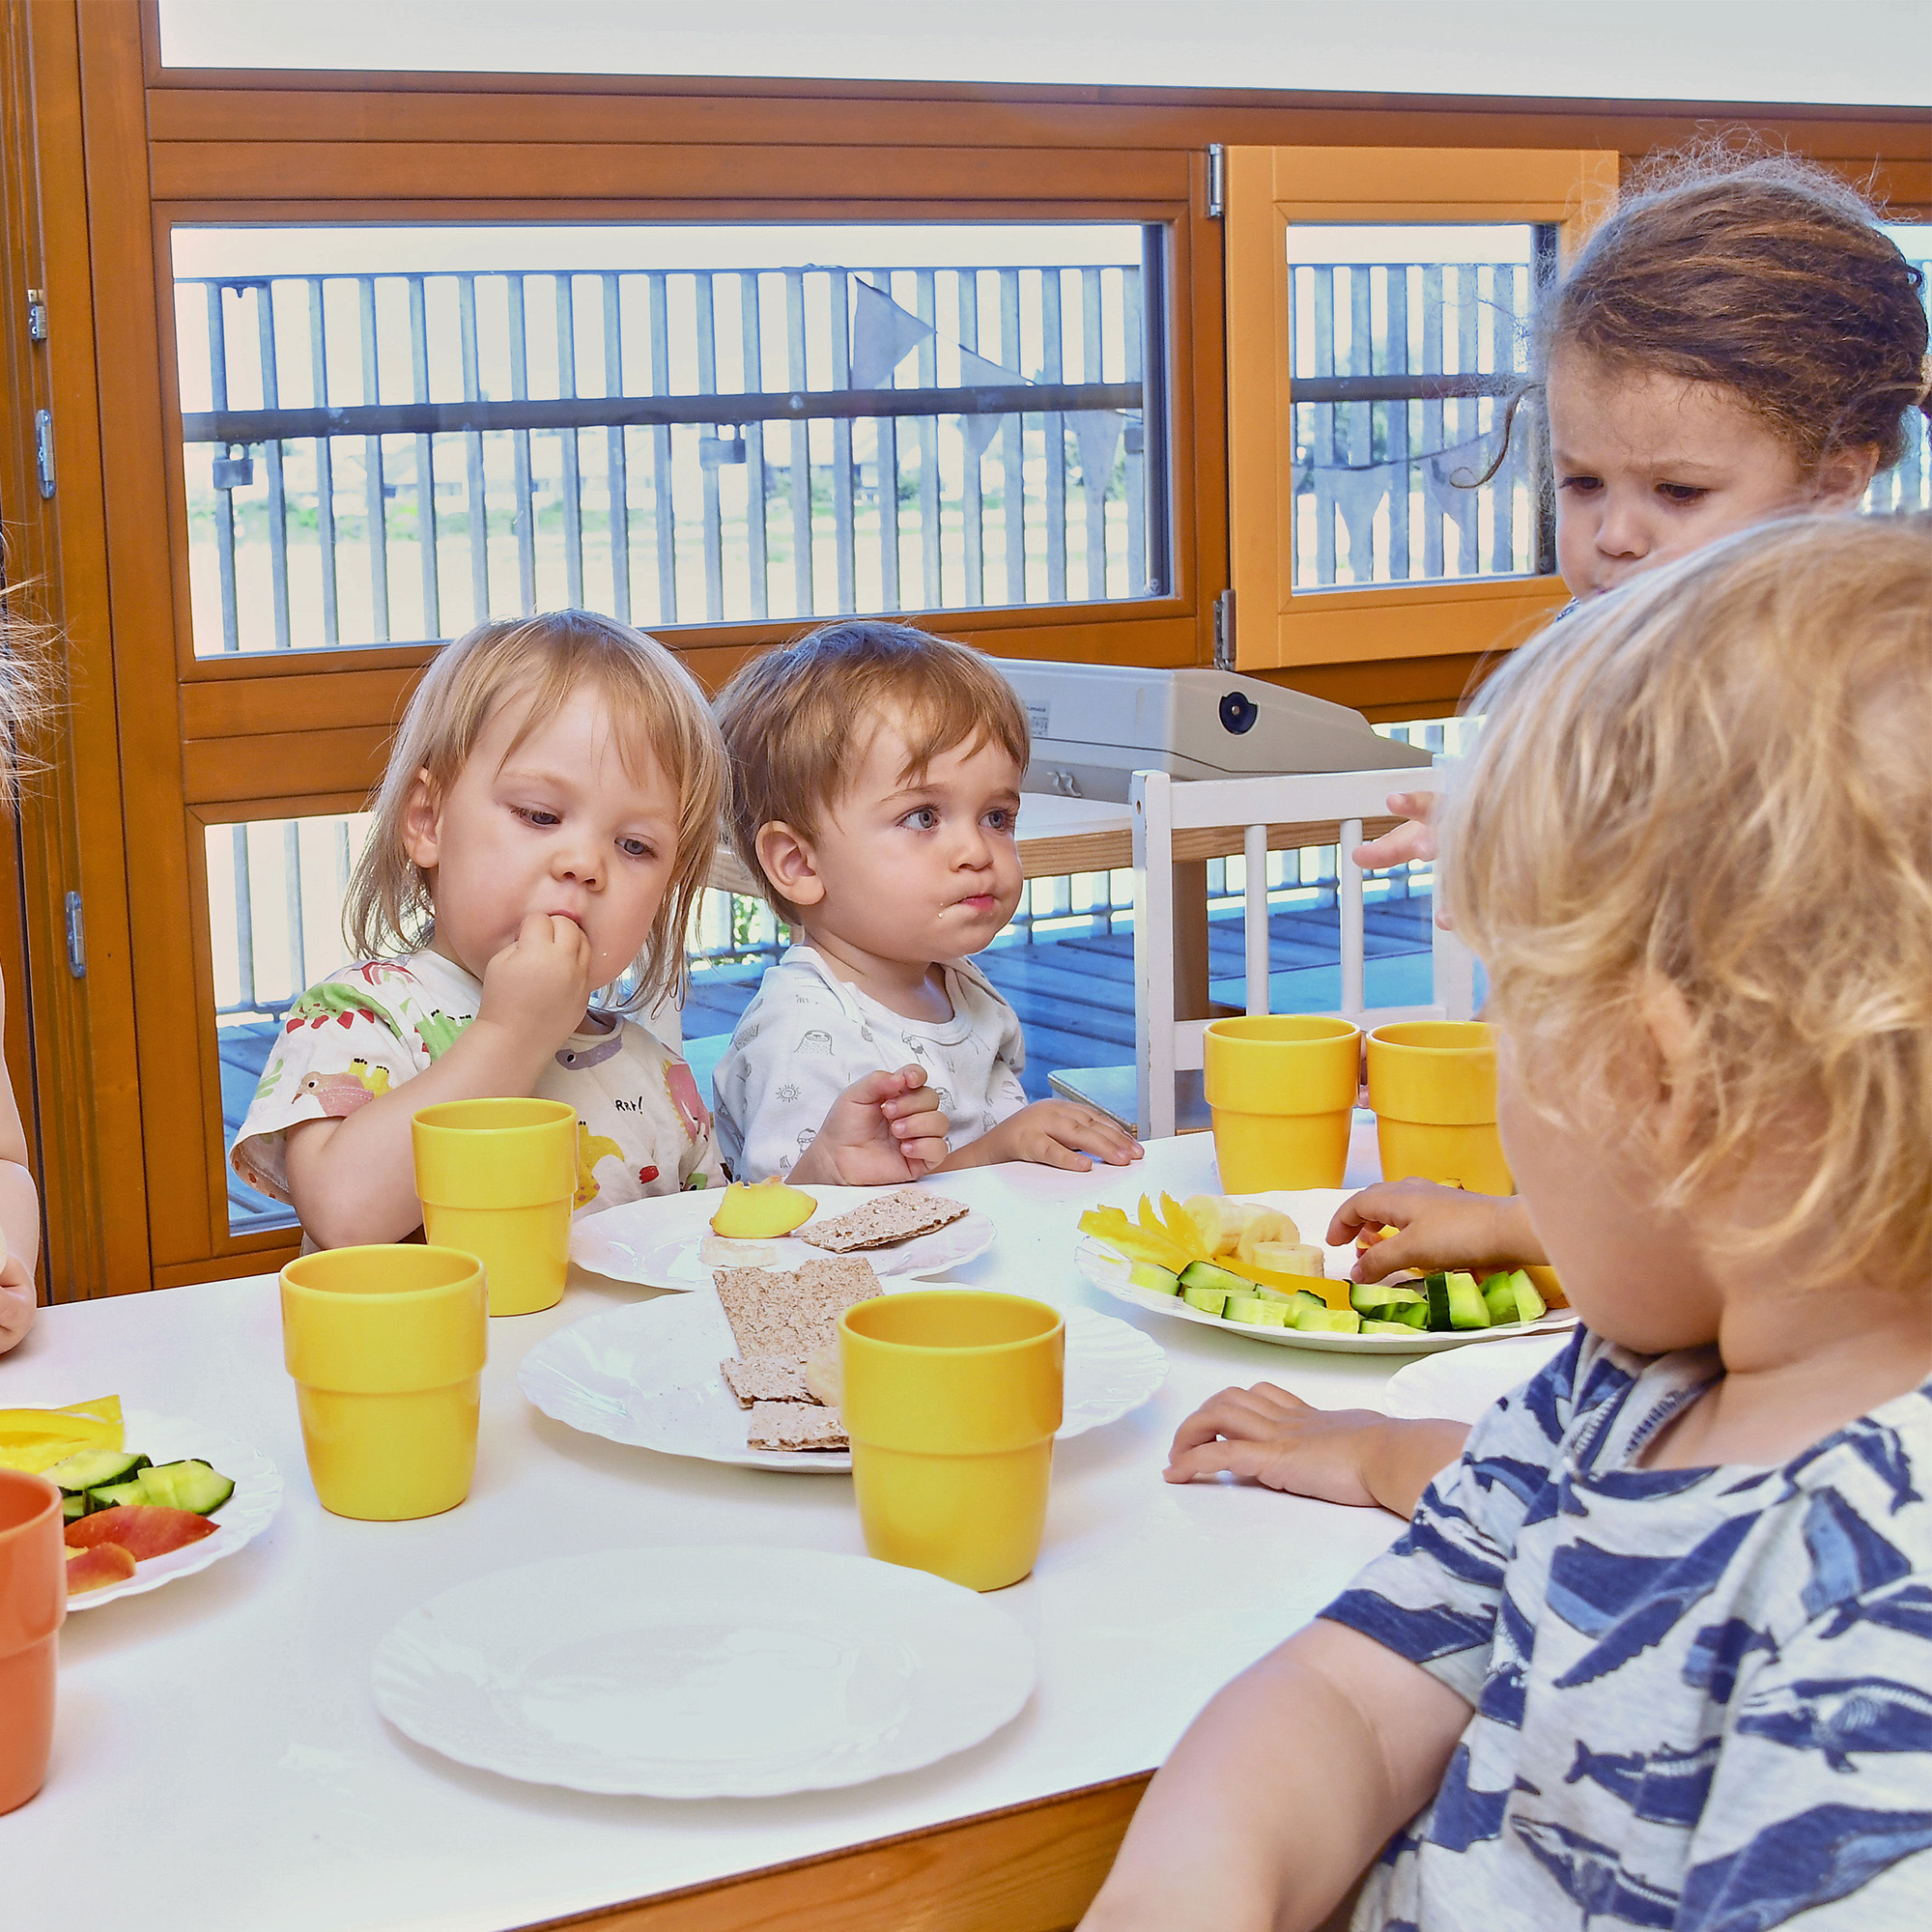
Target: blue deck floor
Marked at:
1074, 995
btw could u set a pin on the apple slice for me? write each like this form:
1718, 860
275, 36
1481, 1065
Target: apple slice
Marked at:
758, 1210
95, 1568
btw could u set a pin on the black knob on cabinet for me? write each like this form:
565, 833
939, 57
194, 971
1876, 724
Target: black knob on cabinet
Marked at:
1238, 712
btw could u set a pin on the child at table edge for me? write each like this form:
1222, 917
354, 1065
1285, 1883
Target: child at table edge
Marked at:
876, 775
1747, 325
22, 699
544, 827
1654, 1651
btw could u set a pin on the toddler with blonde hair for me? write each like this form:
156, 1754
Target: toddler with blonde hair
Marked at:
1654, 1651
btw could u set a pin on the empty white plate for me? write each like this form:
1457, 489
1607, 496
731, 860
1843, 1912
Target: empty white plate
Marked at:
703, 1673
647, 1375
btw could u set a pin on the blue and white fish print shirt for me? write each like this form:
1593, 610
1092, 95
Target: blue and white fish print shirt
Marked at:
1702, 1697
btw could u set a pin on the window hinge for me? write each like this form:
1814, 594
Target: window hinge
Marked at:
44, 449
36, 315
1217, 161
1224, 631
76, 938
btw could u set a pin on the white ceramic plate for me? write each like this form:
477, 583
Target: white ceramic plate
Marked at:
703, 1673
647, 1375
258, 1494
1458, 1388
1311, 1211
666, 1242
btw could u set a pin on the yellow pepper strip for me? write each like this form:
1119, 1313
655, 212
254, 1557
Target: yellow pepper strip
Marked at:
1335, 1294
1111, 1226
37, 1438
1185, 1229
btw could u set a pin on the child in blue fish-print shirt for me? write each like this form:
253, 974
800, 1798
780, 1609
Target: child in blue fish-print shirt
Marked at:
1656, 1651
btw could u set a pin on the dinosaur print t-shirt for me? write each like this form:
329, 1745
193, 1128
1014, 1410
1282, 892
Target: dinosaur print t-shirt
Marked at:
1702, 1698
640, 1126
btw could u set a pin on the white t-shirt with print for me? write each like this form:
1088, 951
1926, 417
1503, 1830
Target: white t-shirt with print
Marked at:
807, 1036
641, 1129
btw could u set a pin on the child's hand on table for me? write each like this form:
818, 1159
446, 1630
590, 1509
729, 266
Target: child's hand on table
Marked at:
882, 1131
1435, 1228
1355, 1455
1052, 1133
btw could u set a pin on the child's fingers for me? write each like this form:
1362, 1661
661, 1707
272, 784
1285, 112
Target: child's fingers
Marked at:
1210, 1458
1372, 1208
1056, 1154
1238, 1413
922, 1156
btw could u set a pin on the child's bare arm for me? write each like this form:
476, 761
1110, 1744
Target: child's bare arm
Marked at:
354, 1179
1052, 1133
1437, 1227
20, 1216
1283, 1790
1340, 1455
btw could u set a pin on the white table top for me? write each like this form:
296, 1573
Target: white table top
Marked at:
219, 1760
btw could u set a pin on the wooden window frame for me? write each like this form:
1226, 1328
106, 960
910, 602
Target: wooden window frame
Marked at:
1278, 627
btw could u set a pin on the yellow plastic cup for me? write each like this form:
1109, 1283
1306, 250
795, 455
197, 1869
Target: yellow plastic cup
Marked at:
386, 1345
1432, 1084
1282, 1090
498, 1179
952, 1399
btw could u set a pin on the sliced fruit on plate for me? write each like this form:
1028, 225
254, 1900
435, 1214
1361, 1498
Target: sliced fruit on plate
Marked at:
760, 1209
96, 1567
143, 1529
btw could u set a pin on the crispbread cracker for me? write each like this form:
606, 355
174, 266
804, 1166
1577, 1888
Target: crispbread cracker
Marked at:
877, 1224
773, 1312
767, 1378
796, 1425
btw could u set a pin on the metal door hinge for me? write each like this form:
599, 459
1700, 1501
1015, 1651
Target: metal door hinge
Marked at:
1224, 631
1217, 165
76, 938
44, 449
36, 315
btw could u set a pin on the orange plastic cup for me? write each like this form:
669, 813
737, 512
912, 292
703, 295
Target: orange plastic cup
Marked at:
1432, 1084
1281, 1088
33, 1602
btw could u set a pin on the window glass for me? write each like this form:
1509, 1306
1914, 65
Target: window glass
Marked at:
1796, 51
1405, 340
390, 433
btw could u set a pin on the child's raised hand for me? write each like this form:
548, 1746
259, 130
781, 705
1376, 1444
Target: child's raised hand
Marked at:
1414, 839
1435, 1228
882, 1131
1355, 1455
538, 987
1052, 1133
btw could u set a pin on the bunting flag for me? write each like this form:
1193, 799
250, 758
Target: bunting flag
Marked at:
883, 335
977, 432
1098, 432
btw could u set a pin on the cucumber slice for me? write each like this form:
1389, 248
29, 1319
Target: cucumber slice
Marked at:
1322, 1319
1436, 1287
1204, 1274
1365, 1297
1467, 1306
1274, 1314
1246, 1308
72, 1507
1157, 1279
93, 1469
192, 1486
1530, 1305
1499, 1296
114, 1495
1410, 1314
1369, 1328
1210, 1300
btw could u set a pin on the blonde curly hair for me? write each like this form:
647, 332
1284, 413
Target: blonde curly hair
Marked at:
1721, 776
654, 705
